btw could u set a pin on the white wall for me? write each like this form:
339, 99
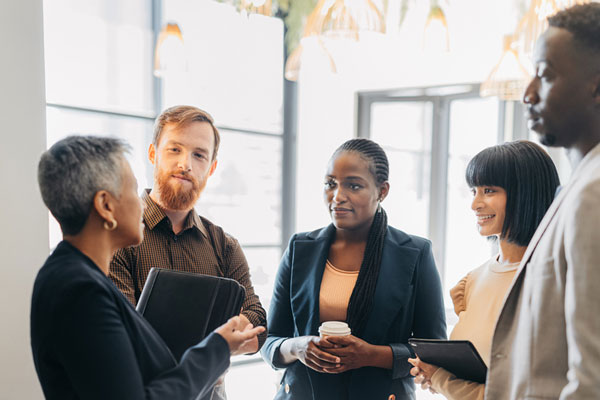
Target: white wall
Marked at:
23, 217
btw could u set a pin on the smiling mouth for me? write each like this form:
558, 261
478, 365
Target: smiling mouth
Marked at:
484, 218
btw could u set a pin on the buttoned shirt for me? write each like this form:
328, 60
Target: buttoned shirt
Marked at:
201, 247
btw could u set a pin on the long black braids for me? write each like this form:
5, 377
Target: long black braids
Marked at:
361, 300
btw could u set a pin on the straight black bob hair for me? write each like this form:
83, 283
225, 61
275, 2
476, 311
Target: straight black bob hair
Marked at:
527, 174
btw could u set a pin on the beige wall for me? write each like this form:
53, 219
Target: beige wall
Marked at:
23, 218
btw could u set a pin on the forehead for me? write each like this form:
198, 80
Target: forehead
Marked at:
193, 135
557, 47
348, 164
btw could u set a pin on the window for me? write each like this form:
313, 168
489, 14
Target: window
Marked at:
99, 77
430, 134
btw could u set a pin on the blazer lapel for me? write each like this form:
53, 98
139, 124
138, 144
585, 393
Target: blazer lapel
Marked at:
308, 264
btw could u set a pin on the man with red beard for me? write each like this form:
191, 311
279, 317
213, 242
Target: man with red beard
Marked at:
184, 154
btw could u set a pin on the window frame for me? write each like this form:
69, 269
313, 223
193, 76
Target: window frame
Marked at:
511, 126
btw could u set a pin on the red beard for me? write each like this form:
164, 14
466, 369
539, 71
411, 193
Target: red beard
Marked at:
175, 196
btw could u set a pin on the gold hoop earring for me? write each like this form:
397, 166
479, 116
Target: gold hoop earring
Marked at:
112, 226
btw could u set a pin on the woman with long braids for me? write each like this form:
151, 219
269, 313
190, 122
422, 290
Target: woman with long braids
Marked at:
380, 280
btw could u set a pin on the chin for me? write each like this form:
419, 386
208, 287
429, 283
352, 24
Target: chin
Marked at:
547, 139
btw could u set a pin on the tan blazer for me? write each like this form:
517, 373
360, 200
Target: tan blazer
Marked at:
546, 343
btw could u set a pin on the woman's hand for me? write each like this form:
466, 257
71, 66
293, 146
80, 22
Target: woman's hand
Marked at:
422, 373
352, 351
312, 351
237, 333
249, 346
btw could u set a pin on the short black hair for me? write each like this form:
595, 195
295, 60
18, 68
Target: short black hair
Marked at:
583, 21
527, 174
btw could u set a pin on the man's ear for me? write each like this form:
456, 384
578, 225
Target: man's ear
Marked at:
151, 153
104, 204
212, 168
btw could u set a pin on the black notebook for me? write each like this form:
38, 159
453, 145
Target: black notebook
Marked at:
184, 307
456, 356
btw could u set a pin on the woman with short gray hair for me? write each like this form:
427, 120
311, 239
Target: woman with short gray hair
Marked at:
88, 341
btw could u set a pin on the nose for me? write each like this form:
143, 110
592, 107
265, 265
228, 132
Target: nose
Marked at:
184, 161
339, 195
530, 96
476, 204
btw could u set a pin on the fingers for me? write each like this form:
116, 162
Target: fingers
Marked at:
323, 343
414, 371
419, 379
340, 340
249, 332
320, 357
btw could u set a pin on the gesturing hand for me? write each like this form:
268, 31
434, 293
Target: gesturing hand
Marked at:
236, 332
352, 351
249, 346
313, 352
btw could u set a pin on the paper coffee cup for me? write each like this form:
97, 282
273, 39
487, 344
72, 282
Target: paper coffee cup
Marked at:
334, 328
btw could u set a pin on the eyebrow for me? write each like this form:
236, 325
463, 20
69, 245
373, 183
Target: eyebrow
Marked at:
348, 178
174, 142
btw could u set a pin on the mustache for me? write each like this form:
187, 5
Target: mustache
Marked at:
184, 175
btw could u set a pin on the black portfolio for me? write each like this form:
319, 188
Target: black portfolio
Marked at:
184, 307
456, 356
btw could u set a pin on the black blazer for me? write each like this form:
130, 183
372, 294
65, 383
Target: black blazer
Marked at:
88, 341
408, 302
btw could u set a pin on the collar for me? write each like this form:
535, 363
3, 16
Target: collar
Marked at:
153, 215
587, 159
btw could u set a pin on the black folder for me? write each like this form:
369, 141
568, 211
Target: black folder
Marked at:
184, 307
457, 356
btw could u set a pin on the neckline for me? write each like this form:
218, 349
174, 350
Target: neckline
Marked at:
341, 271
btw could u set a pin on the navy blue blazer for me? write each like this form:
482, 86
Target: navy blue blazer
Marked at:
89, 342
407, 303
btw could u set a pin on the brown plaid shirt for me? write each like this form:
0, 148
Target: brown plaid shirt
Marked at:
201, 247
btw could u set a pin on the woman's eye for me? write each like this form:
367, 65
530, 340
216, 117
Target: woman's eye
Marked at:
198, 155
488, 190
173, 149
355, 187
329, 184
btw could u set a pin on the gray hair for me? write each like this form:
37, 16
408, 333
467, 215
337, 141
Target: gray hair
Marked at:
73, 170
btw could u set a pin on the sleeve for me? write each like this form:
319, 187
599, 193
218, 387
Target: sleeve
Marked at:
429, 314
280, 321
457, 293
582, 253
237, 269
453, 388
121, 267
94, 348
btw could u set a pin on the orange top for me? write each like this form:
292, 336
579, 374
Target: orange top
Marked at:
336, 288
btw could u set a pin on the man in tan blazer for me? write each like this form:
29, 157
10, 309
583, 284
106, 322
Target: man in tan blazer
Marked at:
547, 340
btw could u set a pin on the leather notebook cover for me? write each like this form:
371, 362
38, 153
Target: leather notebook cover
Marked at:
184, 307
456, 356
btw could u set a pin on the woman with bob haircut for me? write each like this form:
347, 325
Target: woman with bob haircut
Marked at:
513, 184
88, 341
381, 281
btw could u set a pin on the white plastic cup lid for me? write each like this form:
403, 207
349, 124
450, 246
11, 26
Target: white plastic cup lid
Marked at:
334, 328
